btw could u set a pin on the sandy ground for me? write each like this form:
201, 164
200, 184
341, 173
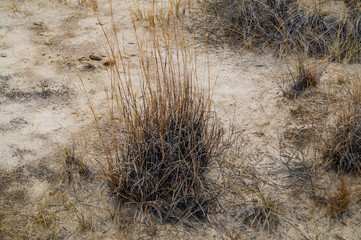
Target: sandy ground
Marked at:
46, 46
40, 103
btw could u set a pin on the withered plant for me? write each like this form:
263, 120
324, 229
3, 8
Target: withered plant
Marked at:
165, 133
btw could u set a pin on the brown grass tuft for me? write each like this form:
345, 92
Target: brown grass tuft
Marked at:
264, 212
305, 78
339, 201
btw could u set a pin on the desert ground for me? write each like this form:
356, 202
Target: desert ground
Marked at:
55, 65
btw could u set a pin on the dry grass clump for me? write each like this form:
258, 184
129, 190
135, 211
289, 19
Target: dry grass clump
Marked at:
285, 26
343, 148
165, 135
167, 145
264, 213
305, 78
339, 201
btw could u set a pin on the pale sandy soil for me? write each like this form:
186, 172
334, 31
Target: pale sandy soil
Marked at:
45, 47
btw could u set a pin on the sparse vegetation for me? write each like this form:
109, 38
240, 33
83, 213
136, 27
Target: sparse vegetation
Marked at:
287, 27
303, 170
163, 165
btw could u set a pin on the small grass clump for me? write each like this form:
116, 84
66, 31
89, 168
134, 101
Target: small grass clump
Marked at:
305, 78
165, 135
343, 148
265, 213
287, 27
339, 201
